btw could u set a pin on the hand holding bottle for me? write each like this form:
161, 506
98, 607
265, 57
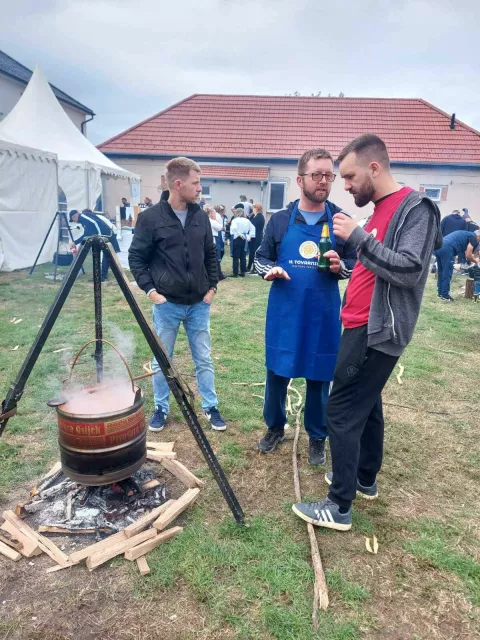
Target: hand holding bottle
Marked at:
334, 259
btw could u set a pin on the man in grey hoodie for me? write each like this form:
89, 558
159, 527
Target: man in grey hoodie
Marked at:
380, 310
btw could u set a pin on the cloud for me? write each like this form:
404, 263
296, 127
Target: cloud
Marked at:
127, 61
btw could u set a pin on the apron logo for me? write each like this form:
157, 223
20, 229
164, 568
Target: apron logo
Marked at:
308, 250
351, 371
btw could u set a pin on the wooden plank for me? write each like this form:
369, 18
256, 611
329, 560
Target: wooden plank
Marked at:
145, 547
142, 565
11, 543
48, 528
107, 554
175, 509
160, 446
55, 469
150, 484
10, 553
146, 520
29, 548
181, 472
158, 456
58, 567
81, 554
46, 545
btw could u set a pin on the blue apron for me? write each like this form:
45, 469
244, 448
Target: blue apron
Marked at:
303, 328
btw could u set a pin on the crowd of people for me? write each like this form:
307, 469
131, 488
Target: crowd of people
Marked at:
174, 257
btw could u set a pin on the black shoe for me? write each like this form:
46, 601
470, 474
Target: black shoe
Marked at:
215, 419
270, 441
446, 298
221, 277
157, 421
316, 451
242, 275
369, 493
235, 275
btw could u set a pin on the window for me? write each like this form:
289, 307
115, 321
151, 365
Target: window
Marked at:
437, 193
206, 191
276, 198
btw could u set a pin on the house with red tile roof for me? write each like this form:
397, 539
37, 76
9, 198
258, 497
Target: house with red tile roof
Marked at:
250, 145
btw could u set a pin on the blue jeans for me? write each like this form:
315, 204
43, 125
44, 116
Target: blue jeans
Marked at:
445, 258
476, 288
196, 320
274, 411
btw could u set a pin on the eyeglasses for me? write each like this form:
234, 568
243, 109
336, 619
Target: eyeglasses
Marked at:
318, 177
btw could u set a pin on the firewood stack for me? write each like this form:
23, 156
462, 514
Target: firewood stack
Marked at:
18, 539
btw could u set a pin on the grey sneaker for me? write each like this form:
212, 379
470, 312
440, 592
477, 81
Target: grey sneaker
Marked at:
369, 493
270, 441
324, 513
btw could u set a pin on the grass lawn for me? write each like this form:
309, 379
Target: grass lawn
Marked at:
220, 581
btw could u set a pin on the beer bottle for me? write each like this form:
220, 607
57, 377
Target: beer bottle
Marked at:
324, 245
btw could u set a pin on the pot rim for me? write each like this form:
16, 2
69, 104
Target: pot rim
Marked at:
98, 417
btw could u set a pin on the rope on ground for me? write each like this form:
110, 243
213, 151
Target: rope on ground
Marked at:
436, 413
320, 589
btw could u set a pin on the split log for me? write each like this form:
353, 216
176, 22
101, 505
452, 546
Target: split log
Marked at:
10, 553
81, 554
57, 467
46, 545
175, 509
50, 528
150, 484
11, 543
30, 547
469, 288
146, 520
181, 472
158, 456
107, 554
142, 565
145, 547
160, 446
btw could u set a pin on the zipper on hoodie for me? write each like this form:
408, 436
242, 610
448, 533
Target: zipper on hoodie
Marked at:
394, 246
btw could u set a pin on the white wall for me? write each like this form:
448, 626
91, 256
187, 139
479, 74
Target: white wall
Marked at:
11, 91
463, 186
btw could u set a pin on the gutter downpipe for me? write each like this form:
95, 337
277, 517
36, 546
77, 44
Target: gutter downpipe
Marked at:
84, 123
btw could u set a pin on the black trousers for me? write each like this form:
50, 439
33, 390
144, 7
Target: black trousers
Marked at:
252, 247
355, 416
239, 254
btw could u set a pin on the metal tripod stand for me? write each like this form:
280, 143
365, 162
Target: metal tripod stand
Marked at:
99, 244
59, 215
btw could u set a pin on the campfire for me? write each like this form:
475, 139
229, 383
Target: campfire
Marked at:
129, 516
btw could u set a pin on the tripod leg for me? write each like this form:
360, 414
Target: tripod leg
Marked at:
97, 246
176, 388
16, 389
43, 244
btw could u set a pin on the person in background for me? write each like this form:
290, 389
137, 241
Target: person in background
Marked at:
174, 261
221, 209
474, 273
241, 233
217, 228
381, 308
456, 243
148, 202
95, 225
202, 203
243, 204
303, 316
258, 221
453, 222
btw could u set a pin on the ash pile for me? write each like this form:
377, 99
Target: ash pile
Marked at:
59, 505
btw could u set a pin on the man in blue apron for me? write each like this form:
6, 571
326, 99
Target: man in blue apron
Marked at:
303, 316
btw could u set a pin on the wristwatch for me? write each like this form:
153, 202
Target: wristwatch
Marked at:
213, 289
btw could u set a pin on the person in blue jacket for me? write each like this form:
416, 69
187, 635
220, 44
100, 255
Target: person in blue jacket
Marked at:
455, 243
95, 225
303, 315
453, 222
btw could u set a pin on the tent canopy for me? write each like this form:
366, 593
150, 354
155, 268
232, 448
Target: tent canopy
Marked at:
39, 121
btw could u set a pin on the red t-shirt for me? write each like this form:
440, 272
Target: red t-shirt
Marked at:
360, 288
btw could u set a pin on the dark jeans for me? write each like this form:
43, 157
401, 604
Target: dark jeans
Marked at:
220, 247
239, 254
315, 402
445, 258
355, 416
252, 247
105, 266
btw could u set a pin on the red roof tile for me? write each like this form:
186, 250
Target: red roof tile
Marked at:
228, 126
234, 173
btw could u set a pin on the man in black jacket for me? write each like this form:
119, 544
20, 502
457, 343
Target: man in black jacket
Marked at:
173, 259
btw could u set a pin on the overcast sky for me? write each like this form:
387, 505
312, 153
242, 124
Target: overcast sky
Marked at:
128, 59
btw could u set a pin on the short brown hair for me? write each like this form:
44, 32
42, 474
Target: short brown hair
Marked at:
179, 169
369, 147
258, 207
317, 154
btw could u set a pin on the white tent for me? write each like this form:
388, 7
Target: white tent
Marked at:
28, 201
38, 121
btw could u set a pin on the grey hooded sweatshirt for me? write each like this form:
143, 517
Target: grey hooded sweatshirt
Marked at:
401, 265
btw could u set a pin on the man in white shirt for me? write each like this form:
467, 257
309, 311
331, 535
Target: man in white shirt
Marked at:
241, 233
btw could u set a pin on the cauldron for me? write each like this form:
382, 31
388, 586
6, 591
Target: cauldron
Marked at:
101, 430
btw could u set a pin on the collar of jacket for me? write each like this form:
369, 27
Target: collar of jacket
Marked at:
191, 209
333, 208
